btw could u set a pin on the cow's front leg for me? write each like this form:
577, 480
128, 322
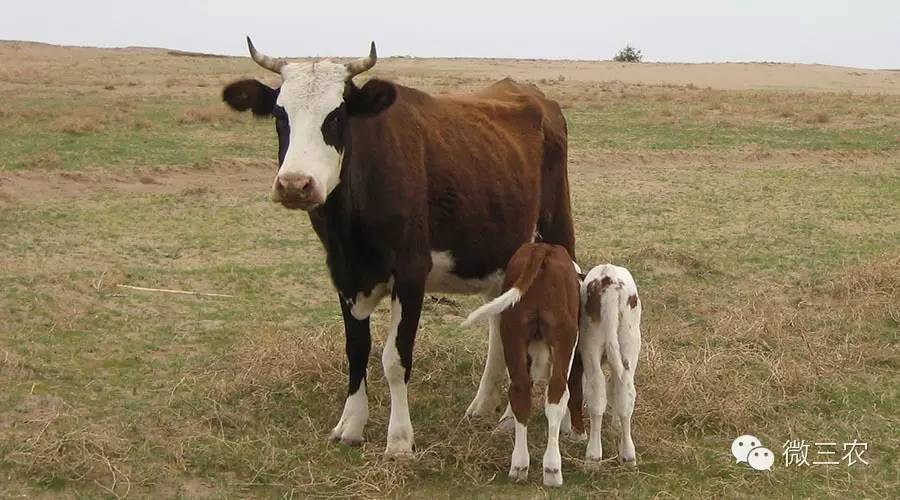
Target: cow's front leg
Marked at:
349, 430
406, 306
494, 375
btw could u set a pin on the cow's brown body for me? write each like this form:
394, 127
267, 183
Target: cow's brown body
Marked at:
475, 175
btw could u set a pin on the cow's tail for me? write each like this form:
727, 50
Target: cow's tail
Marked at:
515, 293
604, 298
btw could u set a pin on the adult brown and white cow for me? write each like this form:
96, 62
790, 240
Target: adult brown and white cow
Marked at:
410, 192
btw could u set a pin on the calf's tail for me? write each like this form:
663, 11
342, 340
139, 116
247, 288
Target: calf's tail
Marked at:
514, 294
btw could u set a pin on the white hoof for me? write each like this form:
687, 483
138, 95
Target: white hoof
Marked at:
592, 464
398, 452
627, 456
553, 477
399, 447
518, 474
345, 435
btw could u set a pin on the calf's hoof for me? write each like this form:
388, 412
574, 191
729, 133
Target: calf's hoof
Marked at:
518, 474
592, 464
627, 461
398, 453
399, 449
553, 477
351, 441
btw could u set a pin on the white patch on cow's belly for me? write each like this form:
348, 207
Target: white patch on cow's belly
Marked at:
364, 304
442, 279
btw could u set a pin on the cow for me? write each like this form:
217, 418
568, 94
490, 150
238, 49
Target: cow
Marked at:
539, 329
610, 332
409, 193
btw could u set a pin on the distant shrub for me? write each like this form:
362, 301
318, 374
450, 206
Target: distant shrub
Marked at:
629, 54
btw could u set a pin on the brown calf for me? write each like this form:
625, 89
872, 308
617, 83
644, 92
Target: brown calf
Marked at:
539, 330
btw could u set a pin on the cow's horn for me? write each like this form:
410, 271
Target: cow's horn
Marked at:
270, 63
358, 66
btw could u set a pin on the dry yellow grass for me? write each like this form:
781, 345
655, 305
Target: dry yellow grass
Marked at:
758, 223
208, 114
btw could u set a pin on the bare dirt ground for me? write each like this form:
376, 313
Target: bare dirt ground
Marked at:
17, 188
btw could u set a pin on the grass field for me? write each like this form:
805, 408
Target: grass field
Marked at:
762, 225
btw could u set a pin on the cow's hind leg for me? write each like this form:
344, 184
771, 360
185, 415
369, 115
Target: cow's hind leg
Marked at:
349, 429
486, 398
406, 307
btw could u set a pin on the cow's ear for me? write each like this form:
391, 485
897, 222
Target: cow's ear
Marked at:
250, 94
373, 98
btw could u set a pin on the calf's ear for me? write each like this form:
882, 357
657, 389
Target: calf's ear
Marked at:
373, 98
250, 94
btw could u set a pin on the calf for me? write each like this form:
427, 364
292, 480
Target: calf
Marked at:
539, 330
610, 331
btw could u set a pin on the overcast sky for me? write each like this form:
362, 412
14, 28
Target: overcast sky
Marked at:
861, 33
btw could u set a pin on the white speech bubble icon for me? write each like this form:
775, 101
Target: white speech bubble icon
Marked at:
761, 458
742, 445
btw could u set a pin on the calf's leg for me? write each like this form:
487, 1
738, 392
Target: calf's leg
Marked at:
623, 407
516, 353
595, 394
557, 398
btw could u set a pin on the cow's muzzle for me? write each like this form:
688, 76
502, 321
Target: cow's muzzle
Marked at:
296, 191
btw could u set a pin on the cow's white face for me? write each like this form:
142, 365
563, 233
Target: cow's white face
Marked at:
311, 109
310, 168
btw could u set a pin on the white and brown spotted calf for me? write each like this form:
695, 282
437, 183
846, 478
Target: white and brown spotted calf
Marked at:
610, 332
539, 330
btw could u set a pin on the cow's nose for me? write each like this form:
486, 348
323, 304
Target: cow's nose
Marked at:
295, 185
